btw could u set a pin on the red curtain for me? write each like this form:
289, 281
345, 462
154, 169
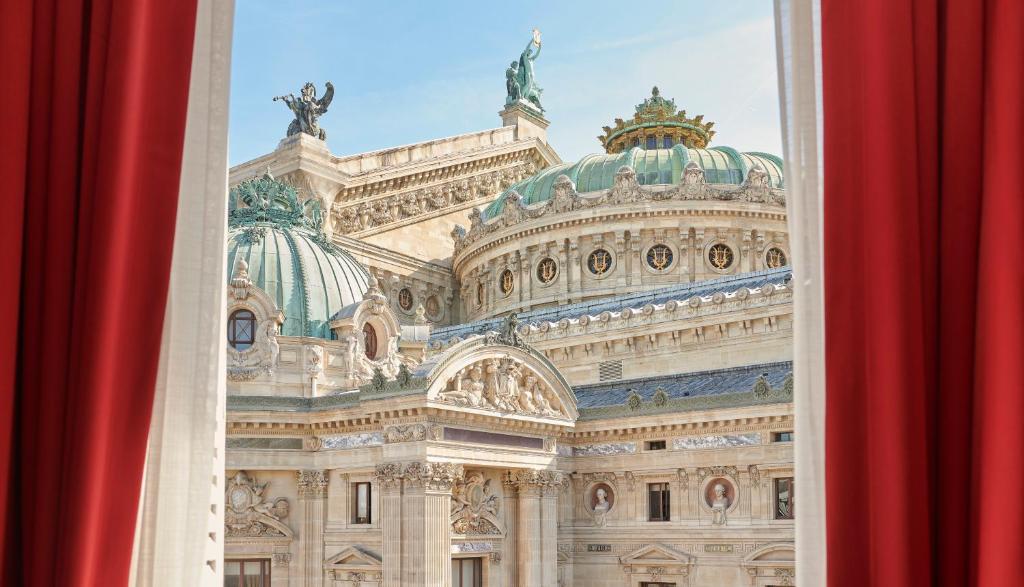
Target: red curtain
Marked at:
91, 136
924, 291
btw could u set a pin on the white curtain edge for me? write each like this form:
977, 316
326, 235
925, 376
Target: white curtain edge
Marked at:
179, 532
798, 41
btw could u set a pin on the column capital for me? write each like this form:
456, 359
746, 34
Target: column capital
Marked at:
533, 481
312, 484
418, 474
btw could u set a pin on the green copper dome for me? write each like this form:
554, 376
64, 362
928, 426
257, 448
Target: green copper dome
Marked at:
652, 166
289, 256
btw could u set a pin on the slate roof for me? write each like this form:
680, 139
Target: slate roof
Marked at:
702, 383
752, 280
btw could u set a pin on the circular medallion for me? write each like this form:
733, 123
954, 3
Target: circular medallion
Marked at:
507, 282
433, 308
405, 299
719, 492
659, 257
775, 258
547, 270
599, 262
720, 256
602, 498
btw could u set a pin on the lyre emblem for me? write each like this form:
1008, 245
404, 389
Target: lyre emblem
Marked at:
776, 258
546, 270
659, 257
507, 281
600, 261
720, 256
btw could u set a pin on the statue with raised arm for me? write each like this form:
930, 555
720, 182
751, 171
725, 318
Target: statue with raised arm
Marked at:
520, 79
308, 110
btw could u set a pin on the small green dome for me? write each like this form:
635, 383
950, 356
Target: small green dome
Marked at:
721, 165
290, 258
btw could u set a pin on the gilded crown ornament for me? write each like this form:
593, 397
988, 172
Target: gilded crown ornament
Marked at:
657, 118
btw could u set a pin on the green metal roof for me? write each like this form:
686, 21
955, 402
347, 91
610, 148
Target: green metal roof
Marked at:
721, 165
289, 256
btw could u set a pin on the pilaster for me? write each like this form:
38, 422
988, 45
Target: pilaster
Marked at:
312, 487
536, 525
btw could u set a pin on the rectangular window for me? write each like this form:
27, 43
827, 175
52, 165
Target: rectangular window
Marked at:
782, 436
247, 573
361, 503
658, 500
667, 143
652, 142
784, 498
609, 371
655, 445
467, 572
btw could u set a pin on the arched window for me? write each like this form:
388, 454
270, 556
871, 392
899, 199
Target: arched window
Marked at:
241, 329
370, 341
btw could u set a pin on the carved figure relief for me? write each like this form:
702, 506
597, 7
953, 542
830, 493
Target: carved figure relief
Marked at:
505, 385
600, 501
249, 512
476, 504
719, 494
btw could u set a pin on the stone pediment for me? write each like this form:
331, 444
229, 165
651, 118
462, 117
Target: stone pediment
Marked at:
659, 554
354, 558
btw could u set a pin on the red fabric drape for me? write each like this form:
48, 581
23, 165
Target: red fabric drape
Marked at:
924, 291
91, 137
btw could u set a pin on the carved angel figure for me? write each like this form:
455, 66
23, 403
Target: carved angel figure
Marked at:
308, 110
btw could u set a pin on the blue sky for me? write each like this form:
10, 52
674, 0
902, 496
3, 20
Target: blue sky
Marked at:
409, 71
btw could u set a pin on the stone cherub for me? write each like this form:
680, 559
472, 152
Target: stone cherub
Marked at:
308, 110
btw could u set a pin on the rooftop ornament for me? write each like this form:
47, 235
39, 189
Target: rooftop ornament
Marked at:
657, 118
520, 82
265, 200
308, 110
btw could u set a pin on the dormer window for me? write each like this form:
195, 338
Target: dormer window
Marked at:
241, 329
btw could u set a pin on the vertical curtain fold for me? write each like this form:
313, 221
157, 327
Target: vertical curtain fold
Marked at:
924, 274
95, 131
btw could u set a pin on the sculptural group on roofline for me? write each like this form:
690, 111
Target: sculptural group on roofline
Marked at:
502, 384
308, 110
520, 82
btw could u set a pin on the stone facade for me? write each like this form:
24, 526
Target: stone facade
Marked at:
632, 427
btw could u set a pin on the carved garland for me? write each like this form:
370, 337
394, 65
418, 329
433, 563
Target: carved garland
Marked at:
371, 214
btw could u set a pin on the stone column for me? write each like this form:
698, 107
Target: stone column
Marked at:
389, 485
536, 525
416, 522
312, 496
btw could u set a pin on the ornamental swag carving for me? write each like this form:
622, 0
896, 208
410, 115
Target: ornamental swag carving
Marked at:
475, 506
248, 511
506, 385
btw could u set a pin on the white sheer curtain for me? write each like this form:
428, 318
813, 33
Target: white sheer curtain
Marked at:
798, 42
179, 537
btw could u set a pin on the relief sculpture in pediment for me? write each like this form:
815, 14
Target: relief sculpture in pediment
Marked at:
504, 384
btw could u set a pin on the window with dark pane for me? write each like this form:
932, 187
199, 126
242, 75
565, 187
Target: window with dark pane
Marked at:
361, 502
467, 572
247, 573
241, 329
658, 502
370, 341
652, 142
667, 143
784, 498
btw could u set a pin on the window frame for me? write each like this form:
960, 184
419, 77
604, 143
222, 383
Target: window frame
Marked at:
664, 501
775, 498
264, 570
355, 519
233, 319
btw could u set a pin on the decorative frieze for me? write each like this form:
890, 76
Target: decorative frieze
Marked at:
360, 440
533, 480
436, 199
412, 433
504, 385
416, 474
625, 190
716, 441
603, 449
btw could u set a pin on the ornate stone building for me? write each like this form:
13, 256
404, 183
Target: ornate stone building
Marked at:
465, 362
